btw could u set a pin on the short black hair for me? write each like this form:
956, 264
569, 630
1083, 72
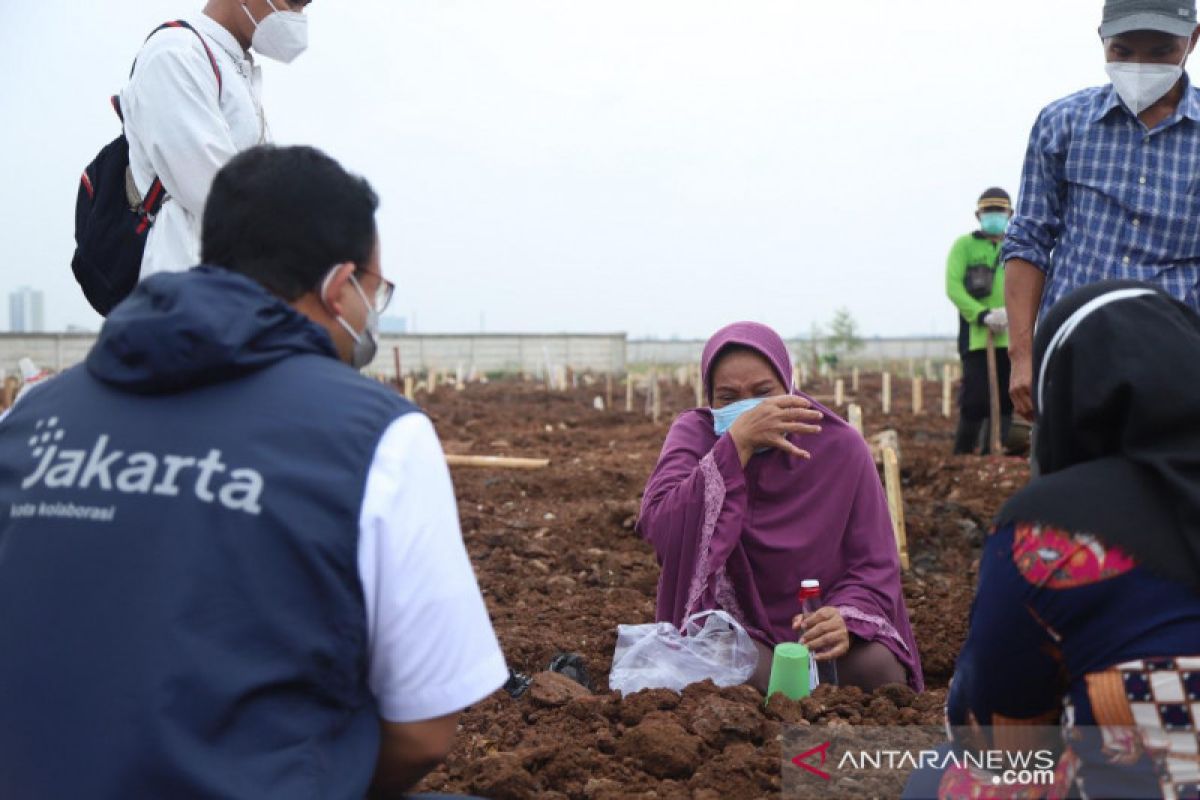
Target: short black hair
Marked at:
285, 215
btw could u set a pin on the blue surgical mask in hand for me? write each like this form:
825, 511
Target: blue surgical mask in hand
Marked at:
723, 418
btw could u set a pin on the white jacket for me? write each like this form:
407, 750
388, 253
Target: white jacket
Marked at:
179, 130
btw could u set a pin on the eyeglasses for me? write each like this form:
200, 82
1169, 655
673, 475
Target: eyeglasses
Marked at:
383, 292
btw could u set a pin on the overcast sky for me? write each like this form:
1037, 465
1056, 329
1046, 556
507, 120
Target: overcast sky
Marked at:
660, 167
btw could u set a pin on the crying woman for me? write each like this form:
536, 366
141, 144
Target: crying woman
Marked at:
762, 490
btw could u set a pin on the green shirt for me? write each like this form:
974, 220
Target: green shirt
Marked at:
972, 250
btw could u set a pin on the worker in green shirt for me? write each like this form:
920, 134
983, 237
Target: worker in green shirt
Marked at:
975, 284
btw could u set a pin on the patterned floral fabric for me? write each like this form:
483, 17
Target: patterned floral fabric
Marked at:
963, 783
1066, 626
1056, 559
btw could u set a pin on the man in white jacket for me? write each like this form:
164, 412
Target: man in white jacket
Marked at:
193, 103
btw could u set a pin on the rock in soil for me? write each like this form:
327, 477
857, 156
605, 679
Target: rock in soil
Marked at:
550, 690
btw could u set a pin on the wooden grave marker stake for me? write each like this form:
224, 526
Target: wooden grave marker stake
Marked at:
947, 384
895, 499
887, 393
839, 392
855, 415
997, 447
497, 462
918, 395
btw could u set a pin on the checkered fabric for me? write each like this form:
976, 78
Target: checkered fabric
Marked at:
1164, 698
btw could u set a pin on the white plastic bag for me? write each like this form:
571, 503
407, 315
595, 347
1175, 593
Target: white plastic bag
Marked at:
658, 656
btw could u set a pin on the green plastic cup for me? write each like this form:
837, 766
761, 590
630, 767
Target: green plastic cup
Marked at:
789, 671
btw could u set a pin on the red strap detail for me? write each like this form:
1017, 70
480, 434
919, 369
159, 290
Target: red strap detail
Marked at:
216, 69
153, 198
87, 184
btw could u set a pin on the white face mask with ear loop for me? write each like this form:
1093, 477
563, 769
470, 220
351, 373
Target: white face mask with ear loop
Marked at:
366, 344
282, 35
1142, 85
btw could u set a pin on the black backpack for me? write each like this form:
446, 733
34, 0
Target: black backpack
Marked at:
110, 226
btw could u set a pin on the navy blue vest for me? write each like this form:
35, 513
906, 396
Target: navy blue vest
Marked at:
180, 608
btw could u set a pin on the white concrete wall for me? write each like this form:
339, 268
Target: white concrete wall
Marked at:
655, 351
509, 353
485, 352
55, 351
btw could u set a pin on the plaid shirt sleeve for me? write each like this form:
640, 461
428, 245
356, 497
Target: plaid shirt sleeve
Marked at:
1034, 230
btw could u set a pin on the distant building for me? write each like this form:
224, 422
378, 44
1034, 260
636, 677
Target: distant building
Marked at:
26, 311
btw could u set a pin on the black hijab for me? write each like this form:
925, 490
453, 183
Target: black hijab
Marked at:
1117, 389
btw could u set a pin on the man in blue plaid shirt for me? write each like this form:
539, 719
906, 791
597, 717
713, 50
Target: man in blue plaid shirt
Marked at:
1111, 187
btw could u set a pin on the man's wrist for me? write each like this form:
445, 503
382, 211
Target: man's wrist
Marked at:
1018, 351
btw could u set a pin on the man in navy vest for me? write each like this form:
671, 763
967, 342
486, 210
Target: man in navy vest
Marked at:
231, 566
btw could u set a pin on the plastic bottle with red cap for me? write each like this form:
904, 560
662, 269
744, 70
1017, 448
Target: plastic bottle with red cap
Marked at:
810, 601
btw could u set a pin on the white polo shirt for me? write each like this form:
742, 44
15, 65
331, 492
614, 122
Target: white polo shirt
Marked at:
183, 130
433, 650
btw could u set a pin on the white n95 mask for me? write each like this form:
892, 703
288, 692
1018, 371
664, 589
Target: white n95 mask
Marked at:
1143, 85
282, 35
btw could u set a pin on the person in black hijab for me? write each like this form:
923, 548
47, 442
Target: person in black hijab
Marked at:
1117, 389
1089, 585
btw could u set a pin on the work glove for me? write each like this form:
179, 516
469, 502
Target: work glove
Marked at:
996, 320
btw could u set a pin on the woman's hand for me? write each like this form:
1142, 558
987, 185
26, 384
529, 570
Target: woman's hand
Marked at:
769, 424
825, 633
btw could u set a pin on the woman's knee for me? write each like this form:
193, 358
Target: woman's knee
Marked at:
870, 665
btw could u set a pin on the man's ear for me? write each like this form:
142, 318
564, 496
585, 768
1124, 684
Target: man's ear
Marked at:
1195, 37
332, 289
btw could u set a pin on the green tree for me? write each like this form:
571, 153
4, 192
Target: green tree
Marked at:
843, 338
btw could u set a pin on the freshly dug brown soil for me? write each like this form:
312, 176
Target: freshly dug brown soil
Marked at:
561, 566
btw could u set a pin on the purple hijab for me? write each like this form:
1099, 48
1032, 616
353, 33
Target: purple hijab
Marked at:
743, 539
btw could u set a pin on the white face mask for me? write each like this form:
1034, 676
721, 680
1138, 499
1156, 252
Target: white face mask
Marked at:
366, 343
1143, 85
282, 35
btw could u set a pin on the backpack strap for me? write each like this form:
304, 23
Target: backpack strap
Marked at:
212, 60
156, 195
